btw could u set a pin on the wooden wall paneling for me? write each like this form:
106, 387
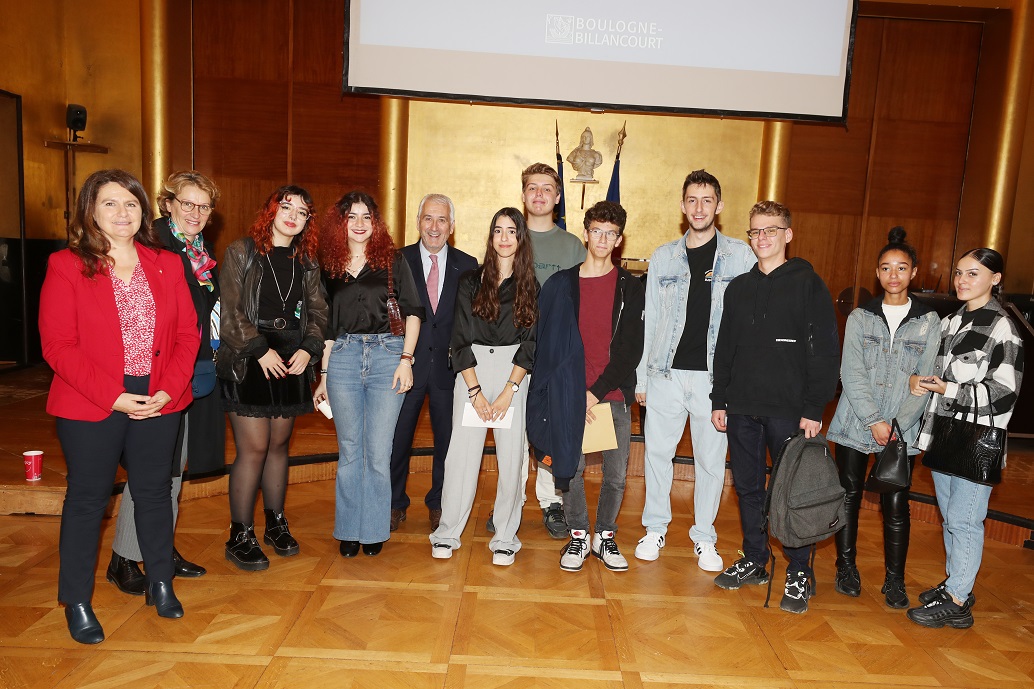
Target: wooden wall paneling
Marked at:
335, 138
828, 163
241, 105
241, 40
923, 116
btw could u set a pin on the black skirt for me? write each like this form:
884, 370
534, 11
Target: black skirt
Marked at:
276, 397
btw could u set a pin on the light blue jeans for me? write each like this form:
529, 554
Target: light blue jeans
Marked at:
668, 403
963, 506
366, 410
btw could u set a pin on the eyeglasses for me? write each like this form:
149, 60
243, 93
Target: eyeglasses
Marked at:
287, 209
609, 235
189, 206
769, 231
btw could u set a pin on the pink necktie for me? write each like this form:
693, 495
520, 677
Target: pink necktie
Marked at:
432, 283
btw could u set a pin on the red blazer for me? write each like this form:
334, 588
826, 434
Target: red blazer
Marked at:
82, 339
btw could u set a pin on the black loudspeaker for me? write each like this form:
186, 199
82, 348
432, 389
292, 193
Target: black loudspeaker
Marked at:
75, 116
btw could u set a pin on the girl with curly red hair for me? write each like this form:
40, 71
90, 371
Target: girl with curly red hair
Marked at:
273, 317
366, 368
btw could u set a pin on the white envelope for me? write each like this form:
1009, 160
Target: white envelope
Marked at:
472, 420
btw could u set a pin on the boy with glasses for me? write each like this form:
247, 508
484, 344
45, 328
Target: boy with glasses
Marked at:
590, 337
776, 367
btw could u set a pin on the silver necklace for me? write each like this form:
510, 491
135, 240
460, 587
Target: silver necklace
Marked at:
283, 297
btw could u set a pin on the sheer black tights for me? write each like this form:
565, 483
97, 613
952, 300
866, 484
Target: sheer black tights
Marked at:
261, 459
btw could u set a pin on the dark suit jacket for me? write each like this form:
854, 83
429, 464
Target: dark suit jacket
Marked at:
432, 349
82, 336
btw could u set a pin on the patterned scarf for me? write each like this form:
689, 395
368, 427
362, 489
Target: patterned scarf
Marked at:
200, 261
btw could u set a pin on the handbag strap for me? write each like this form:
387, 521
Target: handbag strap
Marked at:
975, 405
896, 429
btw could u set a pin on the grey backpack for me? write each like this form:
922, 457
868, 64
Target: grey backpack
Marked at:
805, 501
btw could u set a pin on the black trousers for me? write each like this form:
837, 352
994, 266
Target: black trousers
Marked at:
440, 408
92, 452
749, 437
852, 465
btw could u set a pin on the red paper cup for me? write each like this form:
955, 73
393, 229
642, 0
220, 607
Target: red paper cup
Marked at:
33, 465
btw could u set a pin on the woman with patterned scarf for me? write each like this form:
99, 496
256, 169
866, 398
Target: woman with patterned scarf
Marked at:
186, 203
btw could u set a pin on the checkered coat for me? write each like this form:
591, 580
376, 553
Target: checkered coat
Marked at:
986, 350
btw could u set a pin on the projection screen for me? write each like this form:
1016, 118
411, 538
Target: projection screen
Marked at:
788, 59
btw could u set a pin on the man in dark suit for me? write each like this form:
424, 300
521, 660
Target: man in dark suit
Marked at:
436, 268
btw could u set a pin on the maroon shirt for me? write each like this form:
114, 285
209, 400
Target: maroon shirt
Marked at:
595, 323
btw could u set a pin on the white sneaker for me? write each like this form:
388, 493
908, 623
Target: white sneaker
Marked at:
649, 547
503, 558
708, 558
441, 551
606, 549
574, 554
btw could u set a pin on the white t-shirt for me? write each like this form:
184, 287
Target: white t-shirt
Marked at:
894, 316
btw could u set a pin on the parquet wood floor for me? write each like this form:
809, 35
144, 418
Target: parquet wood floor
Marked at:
403, 619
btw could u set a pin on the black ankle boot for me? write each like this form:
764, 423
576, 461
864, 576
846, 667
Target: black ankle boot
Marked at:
126, 575
163, 598
243, 549
83, 624
894, 591
184, 568
278, 535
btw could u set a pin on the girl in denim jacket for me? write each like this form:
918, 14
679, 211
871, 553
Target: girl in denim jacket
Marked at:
886, 341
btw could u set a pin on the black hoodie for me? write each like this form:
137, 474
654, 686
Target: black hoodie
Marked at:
778, 352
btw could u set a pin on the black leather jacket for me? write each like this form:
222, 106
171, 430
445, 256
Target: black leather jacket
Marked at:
240, 280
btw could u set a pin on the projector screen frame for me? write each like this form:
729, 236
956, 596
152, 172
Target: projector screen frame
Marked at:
840, 119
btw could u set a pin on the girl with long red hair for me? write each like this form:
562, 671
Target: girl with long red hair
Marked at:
273, 316
366, 368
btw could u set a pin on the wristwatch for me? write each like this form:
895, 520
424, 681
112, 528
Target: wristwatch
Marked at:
514, 386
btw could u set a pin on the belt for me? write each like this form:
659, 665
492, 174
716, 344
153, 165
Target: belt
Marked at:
280, 323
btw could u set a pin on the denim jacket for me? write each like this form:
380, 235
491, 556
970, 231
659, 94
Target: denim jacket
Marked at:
667, 289
875, 374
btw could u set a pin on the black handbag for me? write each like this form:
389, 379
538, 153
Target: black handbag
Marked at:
965, 448
891, 472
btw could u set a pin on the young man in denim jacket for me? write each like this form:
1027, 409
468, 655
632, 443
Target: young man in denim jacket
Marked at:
685, 289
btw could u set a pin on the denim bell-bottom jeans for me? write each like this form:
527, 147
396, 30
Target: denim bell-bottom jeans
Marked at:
366, 409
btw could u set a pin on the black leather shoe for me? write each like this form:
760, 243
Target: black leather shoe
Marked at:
372, 549
848, 581
278, 535
243, 549
163, 598
349, 548
83, 624
126, 576
182, 568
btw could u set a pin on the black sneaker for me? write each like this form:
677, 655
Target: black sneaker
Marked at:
943, 611
796, 592
848, 581
553, 518
929, 595
894, 592
740, 573
490, 524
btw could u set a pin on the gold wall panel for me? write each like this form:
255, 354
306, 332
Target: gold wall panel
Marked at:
55, 53
475, 153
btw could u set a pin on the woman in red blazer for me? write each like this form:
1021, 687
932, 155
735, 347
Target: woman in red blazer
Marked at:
119, 329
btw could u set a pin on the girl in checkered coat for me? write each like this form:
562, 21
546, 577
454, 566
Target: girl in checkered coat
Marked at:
979, 344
